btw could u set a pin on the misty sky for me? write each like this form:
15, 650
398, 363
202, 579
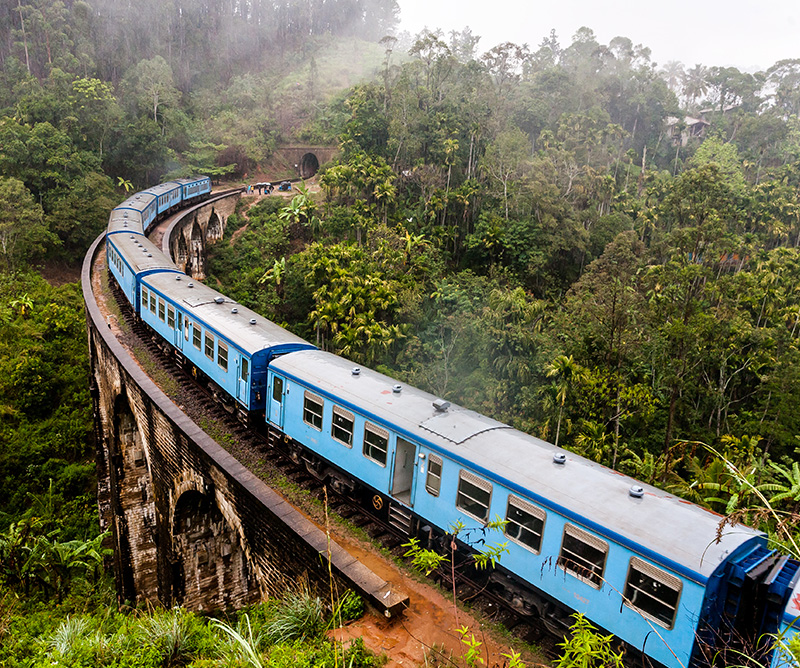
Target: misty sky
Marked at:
747, 35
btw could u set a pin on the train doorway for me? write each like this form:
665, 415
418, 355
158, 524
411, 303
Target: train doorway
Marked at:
403, 476
275, 402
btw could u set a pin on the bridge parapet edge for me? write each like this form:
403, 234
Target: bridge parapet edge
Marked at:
190, 524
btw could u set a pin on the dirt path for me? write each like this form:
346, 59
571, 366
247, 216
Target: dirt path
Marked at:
429, 622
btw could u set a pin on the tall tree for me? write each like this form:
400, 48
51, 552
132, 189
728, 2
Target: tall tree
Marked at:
23, 233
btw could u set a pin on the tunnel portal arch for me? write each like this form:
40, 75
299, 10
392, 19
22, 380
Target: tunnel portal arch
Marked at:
309, 165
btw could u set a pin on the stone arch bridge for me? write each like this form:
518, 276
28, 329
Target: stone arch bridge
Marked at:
190, 524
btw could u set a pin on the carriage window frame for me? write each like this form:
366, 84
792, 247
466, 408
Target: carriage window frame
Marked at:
376, 445
583, 567
222, 355
162, 311
650, 601
145, 297
433, 481
341, 431
196, 336
467, 499
209, 345
519, 532
170, 316
313, 418
152, 302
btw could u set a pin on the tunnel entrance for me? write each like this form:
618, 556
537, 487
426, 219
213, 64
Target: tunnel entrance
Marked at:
309, 165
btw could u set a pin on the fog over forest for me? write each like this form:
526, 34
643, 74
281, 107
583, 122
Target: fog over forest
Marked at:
595, 248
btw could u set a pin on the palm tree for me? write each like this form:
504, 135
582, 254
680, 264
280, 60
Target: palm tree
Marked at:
695, 83
593, 441
566, 371
672, 73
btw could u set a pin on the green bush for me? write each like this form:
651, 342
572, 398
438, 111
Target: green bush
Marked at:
351, 606
300, 617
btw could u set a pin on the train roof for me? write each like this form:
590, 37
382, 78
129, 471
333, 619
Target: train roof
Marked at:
244, 328
162, 188
137, 202
187, 181
660, 526
141, 254
124, 220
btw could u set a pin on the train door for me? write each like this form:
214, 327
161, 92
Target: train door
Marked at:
276, 401
243, 385
179, 332
403, 476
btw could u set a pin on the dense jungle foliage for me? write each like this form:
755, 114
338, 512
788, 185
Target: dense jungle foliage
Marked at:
596, 248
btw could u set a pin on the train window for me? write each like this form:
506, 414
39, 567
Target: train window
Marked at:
144, 297
342, 426
376, 443
222, 355
524, 523
312, 410
277, 389
170, 317
652, 592
246, 368
209, 346
474, 495
583, 555
433, 481
152, 302
196, 335
161, 311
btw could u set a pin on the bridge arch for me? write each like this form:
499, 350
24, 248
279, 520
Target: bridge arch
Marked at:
132, 497
214, 228
182, 252
196, 266
210, 570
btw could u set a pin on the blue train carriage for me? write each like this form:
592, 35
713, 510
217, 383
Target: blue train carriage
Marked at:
168, 195
124, 220
194, 188
132, 256
640, 563
579, 534
227, 344
142, 204
357, 420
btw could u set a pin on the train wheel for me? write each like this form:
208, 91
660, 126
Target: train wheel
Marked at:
296, 453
